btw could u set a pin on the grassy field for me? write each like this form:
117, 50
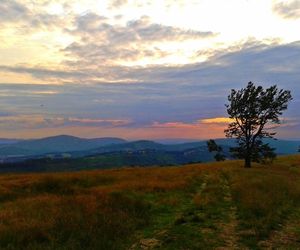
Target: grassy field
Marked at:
200, 206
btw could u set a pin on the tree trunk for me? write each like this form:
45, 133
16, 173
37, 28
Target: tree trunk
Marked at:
247, 162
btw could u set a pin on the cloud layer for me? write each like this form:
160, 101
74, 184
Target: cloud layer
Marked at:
287, 9
140, 69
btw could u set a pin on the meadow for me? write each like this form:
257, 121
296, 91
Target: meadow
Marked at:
198, 206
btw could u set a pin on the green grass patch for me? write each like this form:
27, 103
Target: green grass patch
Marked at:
188, 207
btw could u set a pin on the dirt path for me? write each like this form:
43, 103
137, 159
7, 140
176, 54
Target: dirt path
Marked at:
286, 238
229, 228
223, 227
155, 241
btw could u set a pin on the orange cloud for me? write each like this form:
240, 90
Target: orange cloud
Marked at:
131, 133
174, 125
195, 130
221, 121
216, 120
84, 127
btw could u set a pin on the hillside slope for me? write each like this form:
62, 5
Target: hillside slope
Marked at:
139, 158
200, 206
61, 143
14, 150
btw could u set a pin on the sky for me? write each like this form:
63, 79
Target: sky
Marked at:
141, 69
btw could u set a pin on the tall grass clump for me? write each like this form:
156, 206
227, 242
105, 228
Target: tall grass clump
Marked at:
93, 221
264, 200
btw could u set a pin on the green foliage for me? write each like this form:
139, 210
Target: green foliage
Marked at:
252, 109
213, 147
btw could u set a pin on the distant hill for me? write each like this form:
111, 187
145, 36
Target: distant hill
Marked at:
283, 147
117, 159
4, 141
129, 146
61, 153
61, 143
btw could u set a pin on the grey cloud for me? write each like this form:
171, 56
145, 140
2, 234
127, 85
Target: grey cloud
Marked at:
89, 22
26, 19
148, 31
45, 21
275, 63
108, 54
11, 10
287, 9
181, 93
94, 27
35, 121
42, 73
101, 41
117, 3
267, 63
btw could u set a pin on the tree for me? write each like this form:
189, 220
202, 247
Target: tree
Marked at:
252, 110
213, 147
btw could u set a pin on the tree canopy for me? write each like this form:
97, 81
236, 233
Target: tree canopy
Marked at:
252, 110
214, 147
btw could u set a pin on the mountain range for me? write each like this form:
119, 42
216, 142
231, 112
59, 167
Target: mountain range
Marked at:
54, 144
83, 146
66, 152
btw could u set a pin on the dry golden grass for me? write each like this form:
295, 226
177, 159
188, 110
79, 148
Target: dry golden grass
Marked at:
88, 209
103, 209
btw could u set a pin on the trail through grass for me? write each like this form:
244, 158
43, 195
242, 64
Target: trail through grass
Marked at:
201, 206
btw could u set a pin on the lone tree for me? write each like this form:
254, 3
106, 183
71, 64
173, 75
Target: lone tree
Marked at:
213, 147
251, 110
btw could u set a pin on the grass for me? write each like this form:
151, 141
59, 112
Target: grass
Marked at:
199, 206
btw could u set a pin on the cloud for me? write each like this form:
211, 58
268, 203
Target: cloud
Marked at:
109, 54
94, 27
106, 43
287, 9
36, 121
42, 73
99, 122
145, 30
220, 122
274, 63
259, 63
216, 120
89, 22
28, 20
173, 96
26, 93
179, 129
15, 122
46, 92
12, 10
175, 125
118, 3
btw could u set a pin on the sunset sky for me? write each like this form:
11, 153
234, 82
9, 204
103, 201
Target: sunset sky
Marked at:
141, 69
